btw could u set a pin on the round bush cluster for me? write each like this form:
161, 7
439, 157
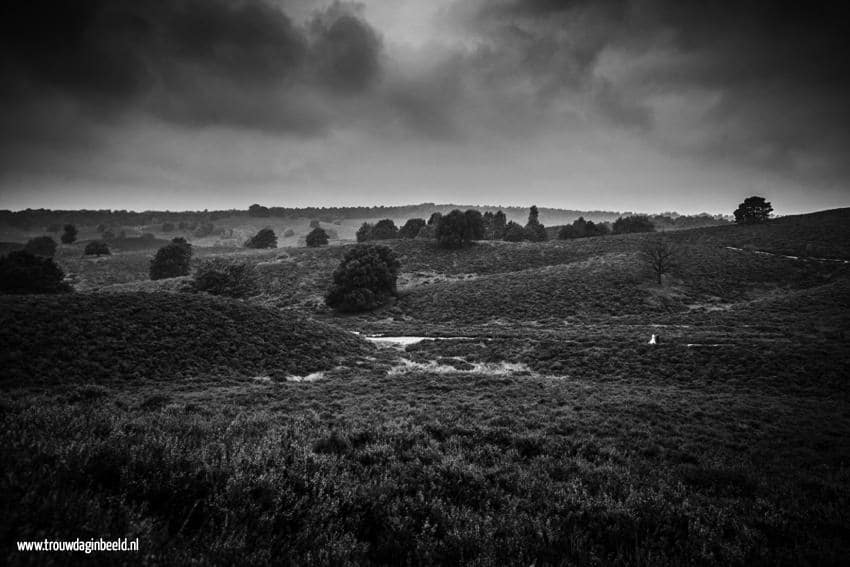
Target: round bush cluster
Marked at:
220, 276
365, 279
22, 272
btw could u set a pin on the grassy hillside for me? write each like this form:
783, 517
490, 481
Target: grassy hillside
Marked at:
133, 336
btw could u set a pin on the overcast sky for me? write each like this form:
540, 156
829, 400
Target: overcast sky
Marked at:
645, 105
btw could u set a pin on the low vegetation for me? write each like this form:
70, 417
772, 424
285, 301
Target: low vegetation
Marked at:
24, 273
226, 277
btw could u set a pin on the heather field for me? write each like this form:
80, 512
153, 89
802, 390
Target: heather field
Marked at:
533, 425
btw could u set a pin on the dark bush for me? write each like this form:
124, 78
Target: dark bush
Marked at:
364, 233
167, 227
220, 276
258, 211
96, 248
172, 260
634, 223
534, 230
69, 236
288, 232
365, 279
411, 228
41, 246
384, 230
317, 237
314, 223
474, 225
266, 238
581, 229
514, 232
453, 230
22, 272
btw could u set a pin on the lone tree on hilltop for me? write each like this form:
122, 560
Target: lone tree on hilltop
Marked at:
96, 248
266, 238
69, 236
411, 228
25, 273
41, 246
534, 230
660, 255
753, 210
317, 237
365, 278
260, 211
172, 260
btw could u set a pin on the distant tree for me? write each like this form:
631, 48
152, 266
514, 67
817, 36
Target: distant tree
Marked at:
634, 223
487, 220
168, 227
427, 232
385, 230
221, 276
70, 234
288, 233
411, 228
41, 246
266, 238
500, 223
453, 230
364, 233
101, 228
314, 223
753, 210
660, 255
365, 278
534, 231
474, 225
107, 234
514, 232
172, 260
96, 248
317, 237
205, 228
260, 211
23, 273
582, 228
54, 227
434, 219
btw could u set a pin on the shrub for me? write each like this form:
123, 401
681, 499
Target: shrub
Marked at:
534, 230
753, 210
266, 238
453, 230
69, 236
22, 272
514, 232
385, 230
364, 233
634, 223
317, 237
314, 223
288, 233
220, 276
260, 211
96, 248
581, 229
172, 260
411, 228
365, 278
41, 246
206, 228
168, 227
429, 232
474, 225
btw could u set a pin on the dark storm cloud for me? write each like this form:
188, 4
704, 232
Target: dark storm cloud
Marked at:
780, 70
230, 62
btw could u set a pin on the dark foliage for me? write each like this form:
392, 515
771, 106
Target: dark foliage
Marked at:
25, 273
411, 228
514, 232
365, 279
135, 336
317, 237
168, 227
534, 230
384, 230
474, 225
453, 230
229, 278
634, 223
753, 210
314, 223
288, 233
172, 260
41, 246
434, 219
364, 233
258, 211
582, 229
265, 238
96, 248
69, 234
205, 228
660, 255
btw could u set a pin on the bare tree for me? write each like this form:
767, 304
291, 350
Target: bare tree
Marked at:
660, 255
